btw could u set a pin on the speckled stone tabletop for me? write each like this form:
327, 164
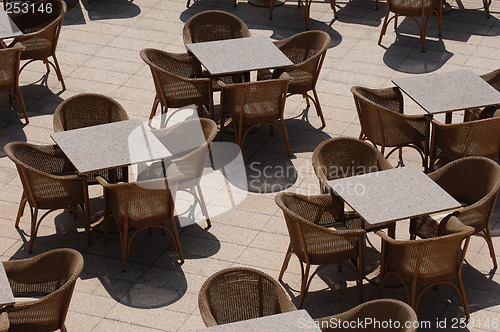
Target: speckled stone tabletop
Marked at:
6, 296
239, 55
394, 194
8, 28
110, 145
448, 91
286, 322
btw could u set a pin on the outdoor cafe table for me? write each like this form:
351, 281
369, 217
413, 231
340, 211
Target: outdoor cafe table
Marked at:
240, 55
449, 91
8, 28
285, 322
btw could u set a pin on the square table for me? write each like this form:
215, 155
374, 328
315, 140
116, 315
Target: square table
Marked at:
239, 55
394, 194
449, 91
8, 28
285, 322
110, 145
6, 296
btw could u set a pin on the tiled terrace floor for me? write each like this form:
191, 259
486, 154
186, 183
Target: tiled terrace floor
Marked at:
99, 52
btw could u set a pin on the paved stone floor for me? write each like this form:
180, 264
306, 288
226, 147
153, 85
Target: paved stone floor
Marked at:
99, 52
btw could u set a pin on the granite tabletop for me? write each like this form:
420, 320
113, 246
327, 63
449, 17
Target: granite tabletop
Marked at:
239, 55
8, 28
394, 194
285, 322
110, 145
449, 91
6, 296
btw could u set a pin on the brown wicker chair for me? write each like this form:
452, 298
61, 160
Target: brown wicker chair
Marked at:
41, 33
89, 109
473, 181
254, 103
457, 140
241, 293
189, 142
306, 50
427, 262
381, 310
306, 219
493, 78
9, 74
51, 276
178, 81
341, 157
383, 122
50, 182
212, 25
412, 9
139, 205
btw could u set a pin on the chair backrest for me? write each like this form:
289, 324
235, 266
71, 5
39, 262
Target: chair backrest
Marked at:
341, 157
255, 102
9, 66
213, 25
307, 51
381, 310
412, 7
304, 217
53, 275
134, 202
477, 188
380, 113
457, 140
46, 174
85, 110
493, 78
41, 32
241, 293
177, 78
428, 260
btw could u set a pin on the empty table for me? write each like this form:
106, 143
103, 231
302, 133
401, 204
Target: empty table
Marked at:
239, 55
110, 145
8, 28
449, 91
285, 322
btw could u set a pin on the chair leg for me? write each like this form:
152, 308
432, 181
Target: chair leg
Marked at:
125, 245
384, 27
20, 211
20, 99
86, 213
177, 240
187, 4
487, 237
463, 299
153, 109
332, 6
203, 205
318, 107
271, 9
285, 137
58, 72
303, 287
422, 33
34, 217
486, 4
285, 262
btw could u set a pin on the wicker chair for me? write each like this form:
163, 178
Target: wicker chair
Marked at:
212, 25
241, 293
50, 182
427, 262
9, 74
306, 219
89, 109
50, 276
412, 9
493, 78
306, 50
457, 140
342, 157
178, 81
255, 103
41, 33
477, 190
383, 122
189, 142
139, 205
381, 310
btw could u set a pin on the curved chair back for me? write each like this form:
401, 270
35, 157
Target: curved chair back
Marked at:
457, 140
213, 25
51, 275
381, 310
9, 73
85, 110
241, 293
493, 78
